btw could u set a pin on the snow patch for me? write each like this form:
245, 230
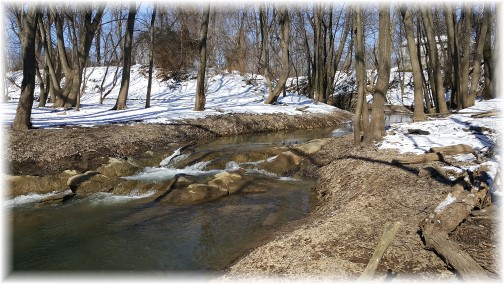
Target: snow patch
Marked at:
448, 200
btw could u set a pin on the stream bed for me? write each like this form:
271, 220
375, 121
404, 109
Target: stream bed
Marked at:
105, 232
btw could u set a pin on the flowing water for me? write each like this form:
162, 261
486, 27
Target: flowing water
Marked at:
103, 232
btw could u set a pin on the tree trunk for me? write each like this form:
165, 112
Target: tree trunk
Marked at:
151, 58
200, 83
463, 72
53, 74
308, 56
28, 32
128, 46
418, 112
264, 62
425, 89
80, 48
488, 91
284, 23
318, 50
344, 36
454, 56
478, 57
385, 50
437, 89
98, 45
360, 71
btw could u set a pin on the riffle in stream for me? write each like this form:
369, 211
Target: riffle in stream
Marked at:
104, 232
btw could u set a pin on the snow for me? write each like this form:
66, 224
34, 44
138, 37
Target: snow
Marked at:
447, 201
458, 128
171, 100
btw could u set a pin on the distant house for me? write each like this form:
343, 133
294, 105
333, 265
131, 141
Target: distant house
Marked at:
442, 45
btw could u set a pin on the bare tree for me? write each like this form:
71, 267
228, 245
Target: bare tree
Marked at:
284, 22
83, 29
380, 91
360, 69
463, 71
418, 112
128, 45
437, 87
151, 57
488, 90
264, 62
478, 56
200, 83
27, 25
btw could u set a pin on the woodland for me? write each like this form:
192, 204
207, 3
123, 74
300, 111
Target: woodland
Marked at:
453, 45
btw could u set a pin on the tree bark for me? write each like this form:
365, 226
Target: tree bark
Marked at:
50, 58
418, 112
28, 32
478, 57
454, 56
318, 50
284, 23
264, 62
80, 47
488, 91
200, 83
385, 50
151, 57
446, 218
437, 88
128, 46
389, 232
463, 71
360, 71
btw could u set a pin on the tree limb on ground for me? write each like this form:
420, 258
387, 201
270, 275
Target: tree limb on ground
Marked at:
447, 216
486, 114
437, 154
388, 235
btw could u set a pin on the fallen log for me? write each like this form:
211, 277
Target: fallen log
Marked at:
461, 261
486, 114
447, 216
453, 149
388, 235
422, 158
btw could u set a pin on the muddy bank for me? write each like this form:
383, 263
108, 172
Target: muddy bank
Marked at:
360, 191
51, 151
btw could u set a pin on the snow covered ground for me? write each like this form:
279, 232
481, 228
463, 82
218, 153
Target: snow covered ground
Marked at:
483, 134
170, 100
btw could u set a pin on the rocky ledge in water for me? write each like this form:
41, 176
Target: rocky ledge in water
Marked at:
121, 176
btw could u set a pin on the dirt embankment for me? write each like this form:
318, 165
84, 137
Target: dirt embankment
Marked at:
50, 151
360, 191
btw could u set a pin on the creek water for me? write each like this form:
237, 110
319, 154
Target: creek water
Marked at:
103, 232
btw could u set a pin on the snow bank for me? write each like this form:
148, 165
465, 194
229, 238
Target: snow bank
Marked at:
171, 100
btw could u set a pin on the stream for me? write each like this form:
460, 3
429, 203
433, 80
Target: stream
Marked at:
105, 232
